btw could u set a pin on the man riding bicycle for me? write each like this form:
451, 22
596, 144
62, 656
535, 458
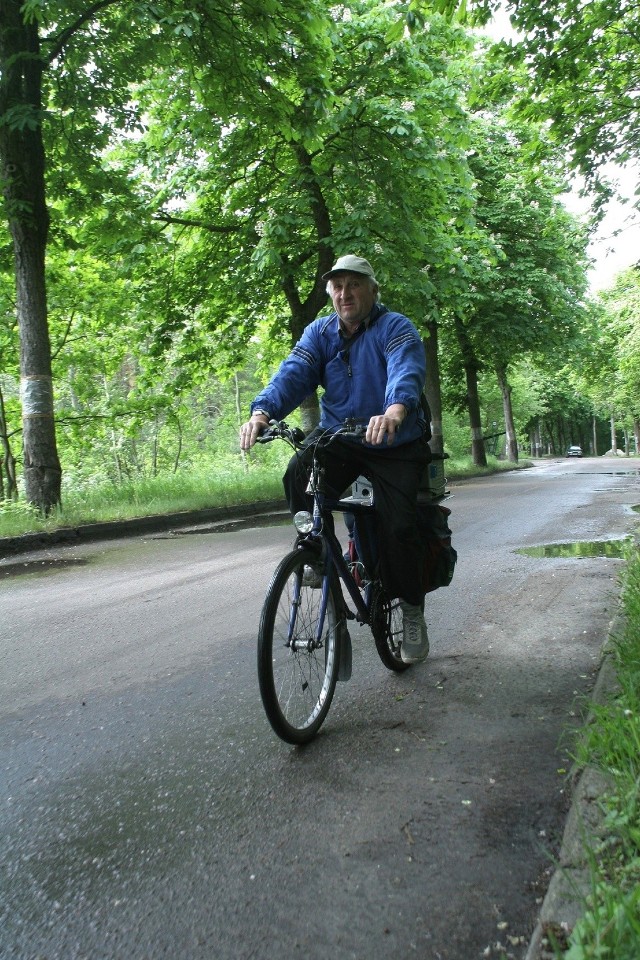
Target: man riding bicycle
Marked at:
371, 363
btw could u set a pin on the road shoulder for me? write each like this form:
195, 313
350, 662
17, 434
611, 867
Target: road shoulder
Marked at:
570, 885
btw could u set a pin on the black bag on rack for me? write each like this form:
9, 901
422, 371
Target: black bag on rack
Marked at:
439, 555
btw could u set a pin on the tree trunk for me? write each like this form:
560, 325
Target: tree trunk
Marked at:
614, 442
432, 388
636, 434
310, 412
511, 439
154, 446
478, 451
7, 460
550, 434
23, 169
536, 440
176, 459
562, 444
471, 366
594, 430
562, 438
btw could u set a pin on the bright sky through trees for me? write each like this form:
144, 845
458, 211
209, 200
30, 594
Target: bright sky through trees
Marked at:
616, 242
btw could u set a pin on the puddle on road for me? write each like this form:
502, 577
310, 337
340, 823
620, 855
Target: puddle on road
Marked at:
612, 549
610, 473
229, 526
40, 566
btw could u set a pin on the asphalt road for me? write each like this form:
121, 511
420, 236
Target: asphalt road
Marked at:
148, 811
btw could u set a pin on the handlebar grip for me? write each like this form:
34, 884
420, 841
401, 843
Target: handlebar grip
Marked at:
268, 434
280, 430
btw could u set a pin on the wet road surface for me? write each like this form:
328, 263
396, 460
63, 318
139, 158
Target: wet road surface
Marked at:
148, 811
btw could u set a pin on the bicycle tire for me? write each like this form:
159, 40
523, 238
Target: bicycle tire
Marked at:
297, 683
386, 625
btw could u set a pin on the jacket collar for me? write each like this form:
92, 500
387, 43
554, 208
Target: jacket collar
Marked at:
376, 311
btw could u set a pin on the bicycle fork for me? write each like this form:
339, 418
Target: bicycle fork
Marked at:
309, 643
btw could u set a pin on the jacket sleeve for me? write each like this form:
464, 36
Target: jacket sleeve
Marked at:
406, 364
298, 376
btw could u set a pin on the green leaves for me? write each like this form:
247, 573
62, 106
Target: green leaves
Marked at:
206, 161
582, 74
21, 116
618, 332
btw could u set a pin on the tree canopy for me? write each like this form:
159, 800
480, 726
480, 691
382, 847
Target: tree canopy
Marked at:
581, 61
178, 176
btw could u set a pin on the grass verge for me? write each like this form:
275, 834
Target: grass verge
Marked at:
102, 502
219, 486
610, 924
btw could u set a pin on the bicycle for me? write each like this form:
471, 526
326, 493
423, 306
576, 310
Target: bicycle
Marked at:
304, 647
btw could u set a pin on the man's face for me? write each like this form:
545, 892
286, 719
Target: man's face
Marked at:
353, 297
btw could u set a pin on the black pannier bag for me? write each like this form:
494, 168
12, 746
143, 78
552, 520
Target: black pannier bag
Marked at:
439, 555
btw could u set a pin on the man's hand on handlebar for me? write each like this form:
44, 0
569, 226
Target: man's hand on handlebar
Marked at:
251, 430
383, 425
386, 424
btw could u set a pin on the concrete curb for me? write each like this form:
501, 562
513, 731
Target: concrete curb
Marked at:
563, 904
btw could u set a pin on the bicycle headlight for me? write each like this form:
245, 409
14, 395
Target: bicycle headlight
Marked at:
303, 521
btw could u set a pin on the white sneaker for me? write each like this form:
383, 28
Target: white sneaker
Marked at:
415, 640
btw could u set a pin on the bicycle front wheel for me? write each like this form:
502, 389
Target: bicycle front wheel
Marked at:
298, 649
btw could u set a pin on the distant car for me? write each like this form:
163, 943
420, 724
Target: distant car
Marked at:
574, 452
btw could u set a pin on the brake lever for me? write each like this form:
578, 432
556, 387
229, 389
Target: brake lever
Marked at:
353, 430
278, 429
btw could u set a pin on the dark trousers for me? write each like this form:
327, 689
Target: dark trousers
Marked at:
394, 473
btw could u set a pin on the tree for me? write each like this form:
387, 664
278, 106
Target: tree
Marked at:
343, 153
8, 388
23, 162
620, 331
65, 75
523, 290
581, 74
582, 61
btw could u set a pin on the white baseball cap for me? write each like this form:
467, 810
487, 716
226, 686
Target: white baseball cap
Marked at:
351, 264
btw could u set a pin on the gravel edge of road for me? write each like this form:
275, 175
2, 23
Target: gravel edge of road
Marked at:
570, 884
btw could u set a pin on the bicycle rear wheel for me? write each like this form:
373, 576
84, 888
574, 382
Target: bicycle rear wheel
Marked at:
386, 624
298, 656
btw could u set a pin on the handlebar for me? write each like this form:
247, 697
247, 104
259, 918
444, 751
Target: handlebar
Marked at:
353, 430
278, 429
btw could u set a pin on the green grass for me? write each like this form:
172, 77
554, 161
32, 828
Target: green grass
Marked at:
101, 502
461, 467
205, 488
610, 925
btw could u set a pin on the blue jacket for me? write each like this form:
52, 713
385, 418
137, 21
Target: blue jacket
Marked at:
382, 364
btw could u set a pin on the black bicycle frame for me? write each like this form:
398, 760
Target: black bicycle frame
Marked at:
334, 557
